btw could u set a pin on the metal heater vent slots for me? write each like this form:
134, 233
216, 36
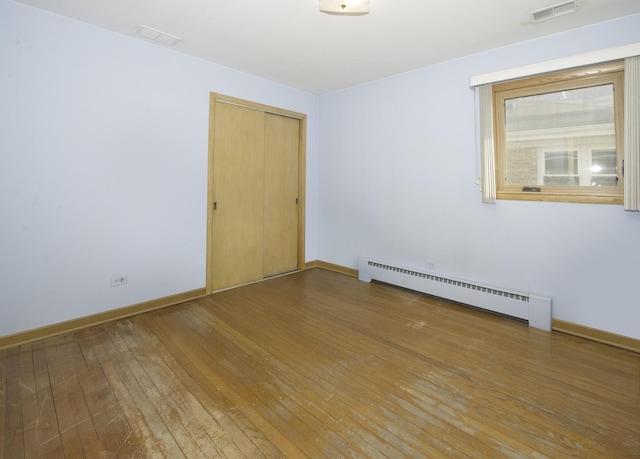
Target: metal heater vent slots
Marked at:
535, 309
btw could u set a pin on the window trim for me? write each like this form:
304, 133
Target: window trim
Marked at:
606, 73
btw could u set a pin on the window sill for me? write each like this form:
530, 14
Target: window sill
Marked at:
559, 197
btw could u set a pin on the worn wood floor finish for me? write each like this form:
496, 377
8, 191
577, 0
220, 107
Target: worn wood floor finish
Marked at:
318, 364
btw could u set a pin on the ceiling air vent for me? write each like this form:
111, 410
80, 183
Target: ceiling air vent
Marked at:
157, 35
553, 11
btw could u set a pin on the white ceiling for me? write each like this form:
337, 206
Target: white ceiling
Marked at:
291, 42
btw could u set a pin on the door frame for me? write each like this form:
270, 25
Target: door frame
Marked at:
302, 168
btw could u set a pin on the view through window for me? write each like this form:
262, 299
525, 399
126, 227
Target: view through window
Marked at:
558, 137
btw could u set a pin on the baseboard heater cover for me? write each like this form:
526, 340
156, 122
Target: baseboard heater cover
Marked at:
536, 309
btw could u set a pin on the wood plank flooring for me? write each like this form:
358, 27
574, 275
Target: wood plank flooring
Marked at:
318, 364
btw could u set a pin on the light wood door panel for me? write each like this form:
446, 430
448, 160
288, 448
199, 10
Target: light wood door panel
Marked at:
238, 180
282, 144
256, 192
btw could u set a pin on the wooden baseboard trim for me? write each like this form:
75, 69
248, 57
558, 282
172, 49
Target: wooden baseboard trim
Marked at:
331, 267
593, 334
96, 319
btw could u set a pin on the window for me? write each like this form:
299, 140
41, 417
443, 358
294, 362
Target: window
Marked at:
558, 137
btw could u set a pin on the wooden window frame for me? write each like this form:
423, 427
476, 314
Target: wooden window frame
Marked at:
607, 73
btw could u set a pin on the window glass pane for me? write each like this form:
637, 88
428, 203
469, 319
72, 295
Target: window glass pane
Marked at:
566, 180
553, 133
561, 162
603, 162
603, 181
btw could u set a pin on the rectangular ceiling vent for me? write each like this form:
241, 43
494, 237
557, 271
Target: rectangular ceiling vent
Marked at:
553, 11
157, 35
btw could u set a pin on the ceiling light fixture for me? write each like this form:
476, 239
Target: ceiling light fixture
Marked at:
345, 7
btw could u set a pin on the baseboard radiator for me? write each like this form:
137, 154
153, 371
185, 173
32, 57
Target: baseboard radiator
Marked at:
535, 309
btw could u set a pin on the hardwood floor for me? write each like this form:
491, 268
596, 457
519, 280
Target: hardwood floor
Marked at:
318, 364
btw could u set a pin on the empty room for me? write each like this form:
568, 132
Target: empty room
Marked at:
317, 228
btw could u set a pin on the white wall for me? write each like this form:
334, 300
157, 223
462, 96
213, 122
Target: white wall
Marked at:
397, 183
103, 166
103, 162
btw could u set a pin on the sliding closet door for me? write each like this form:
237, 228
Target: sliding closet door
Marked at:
256, 192
282, 146
238, 188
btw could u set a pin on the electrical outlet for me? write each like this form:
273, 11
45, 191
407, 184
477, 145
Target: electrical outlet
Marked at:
430, 264
121, 280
